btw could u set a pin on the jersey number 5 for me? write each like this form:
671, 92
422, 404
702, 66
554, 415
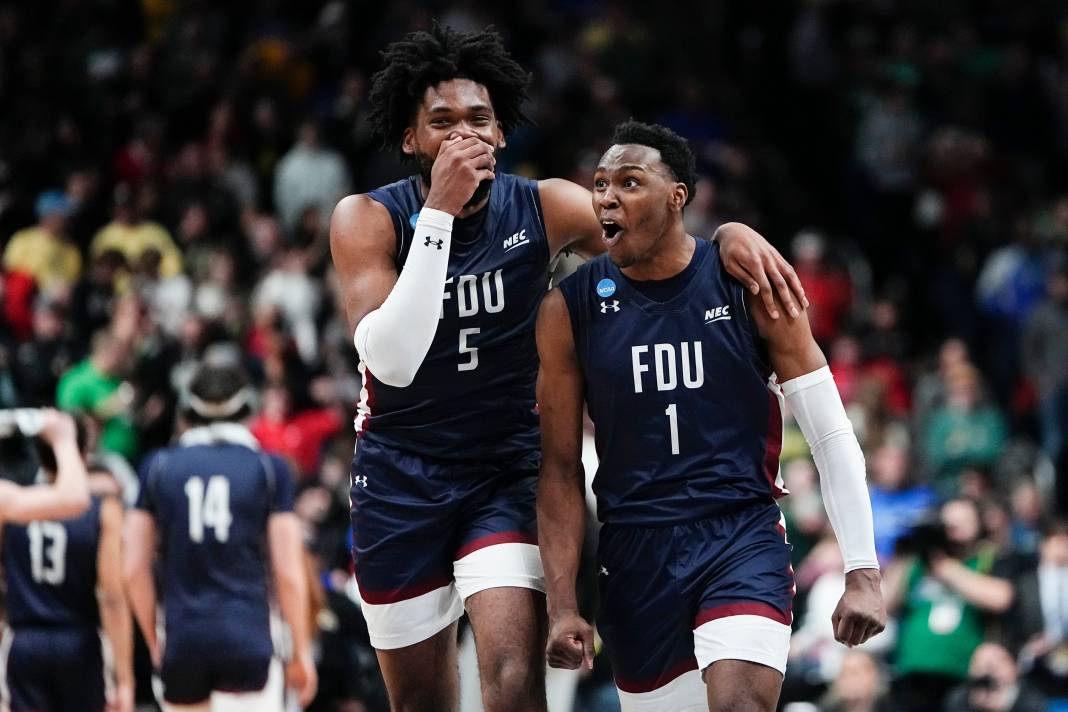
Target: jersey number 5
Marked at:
209, 507
48, 560
471, 351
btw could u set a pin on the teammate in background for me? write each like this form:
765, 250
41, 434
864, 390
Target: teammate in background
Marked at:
442, 274
674, 361
221, 511
68, 494
63, 580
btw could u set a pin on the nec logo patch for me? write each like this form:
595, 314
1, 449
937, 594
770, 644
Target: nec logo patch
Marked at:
718, 314
516, 240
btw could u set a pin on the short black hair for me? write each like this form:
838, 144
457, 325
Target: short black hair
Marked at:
674, 150
425, 58
215, 384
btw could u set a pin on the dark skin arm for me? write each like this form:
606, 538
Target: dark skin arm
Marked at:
571, 224
861, 612
561, 503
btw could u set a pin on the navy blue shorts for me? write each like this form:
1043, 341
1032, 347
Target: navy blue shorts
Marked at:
54, 669
674, 599
429, 533
196, 665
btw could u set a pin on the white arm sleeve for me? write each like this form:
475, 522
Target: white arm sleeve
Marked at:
394, 339
817, 406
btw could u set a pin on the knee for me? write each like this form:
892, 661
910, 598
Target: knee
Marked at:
740, 699
512, 684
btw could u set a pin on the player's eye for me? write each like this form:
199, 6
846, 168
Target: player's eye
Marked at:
630, 182
600, 183
439, 122
482, 119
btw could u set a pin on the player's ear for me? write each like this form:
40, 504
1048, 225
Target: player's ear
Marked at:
408, 144
501, 142
679, 194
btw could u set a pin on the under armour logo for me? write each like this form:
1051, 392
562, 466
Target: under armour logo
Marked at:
613, 305
602, 572
360, 480
437, 243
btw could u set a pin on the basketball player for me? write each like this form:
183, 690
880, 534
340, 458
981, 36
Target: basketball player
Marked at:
442, 273
673, 359
63, 582
222, 512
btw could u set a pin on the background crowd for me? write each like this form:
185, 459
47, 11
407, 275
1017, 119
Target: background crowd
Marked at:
168, 170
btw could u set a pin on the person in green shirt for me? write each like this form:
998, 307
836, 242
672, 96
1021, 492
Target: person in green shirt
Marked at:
942, 597
95, 386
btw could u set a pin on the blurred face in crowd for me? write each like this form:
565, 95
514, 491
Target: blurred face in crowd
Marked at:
110, 355
454, 108
961, 520
962, 388
890, 467
992, 674
859, 682
637, 200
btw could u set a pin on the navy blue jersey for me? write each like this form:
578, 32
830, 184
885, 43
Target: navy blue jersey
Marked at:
473, 396
50, 567
687, 424
211, 497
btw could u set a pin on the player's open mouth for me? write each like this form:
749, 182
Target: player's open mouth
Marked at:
611, 232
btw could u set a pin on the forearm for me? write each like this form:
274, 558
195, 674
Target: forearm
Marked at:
561, 529
293, 602
987, 592
72, 478
815, 402
141, 592
115, 620
394, 339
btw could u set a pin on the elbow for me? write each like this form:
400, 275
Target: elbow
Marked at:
394, 374
73, 505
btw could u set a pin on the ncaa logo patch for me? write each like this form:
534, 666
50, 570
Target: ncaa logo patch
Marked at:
606, 288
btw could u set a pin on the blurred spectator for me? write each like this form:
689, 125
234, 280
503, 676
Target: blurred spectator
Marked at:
897, 501
96, 387
309, 175
829, 291
1039, 615
1045, 360
861, 686
94, 297
42, 359
942, 593
963, 432
43, 250
291, 290
17, 291
132, 234
298, 436
994, 685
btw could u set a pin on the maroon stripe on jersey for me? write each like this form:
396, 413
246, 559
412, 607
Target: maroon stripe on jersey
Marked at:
773, 444
496, 538
403, 593
639, 686
745, 608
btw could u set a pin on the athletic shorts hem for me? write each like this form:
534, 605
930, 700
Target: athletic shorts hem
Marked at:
753, 639
685, 693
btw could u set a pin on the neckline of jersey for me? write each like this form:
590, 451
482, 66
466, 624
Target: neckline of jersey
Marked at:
672, 304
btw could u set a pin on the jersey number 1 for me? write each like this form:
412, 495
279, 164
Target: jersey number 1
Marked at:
209, 507
48, 561
673, 421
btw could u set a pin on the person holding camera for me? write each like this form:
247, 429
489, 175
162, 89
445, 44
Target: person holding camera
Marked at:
994, 685
61, 556
943, 585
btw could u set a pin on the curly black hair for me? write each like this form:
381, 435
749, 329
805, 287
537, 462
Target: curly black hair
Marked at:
674, 150
423, 59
